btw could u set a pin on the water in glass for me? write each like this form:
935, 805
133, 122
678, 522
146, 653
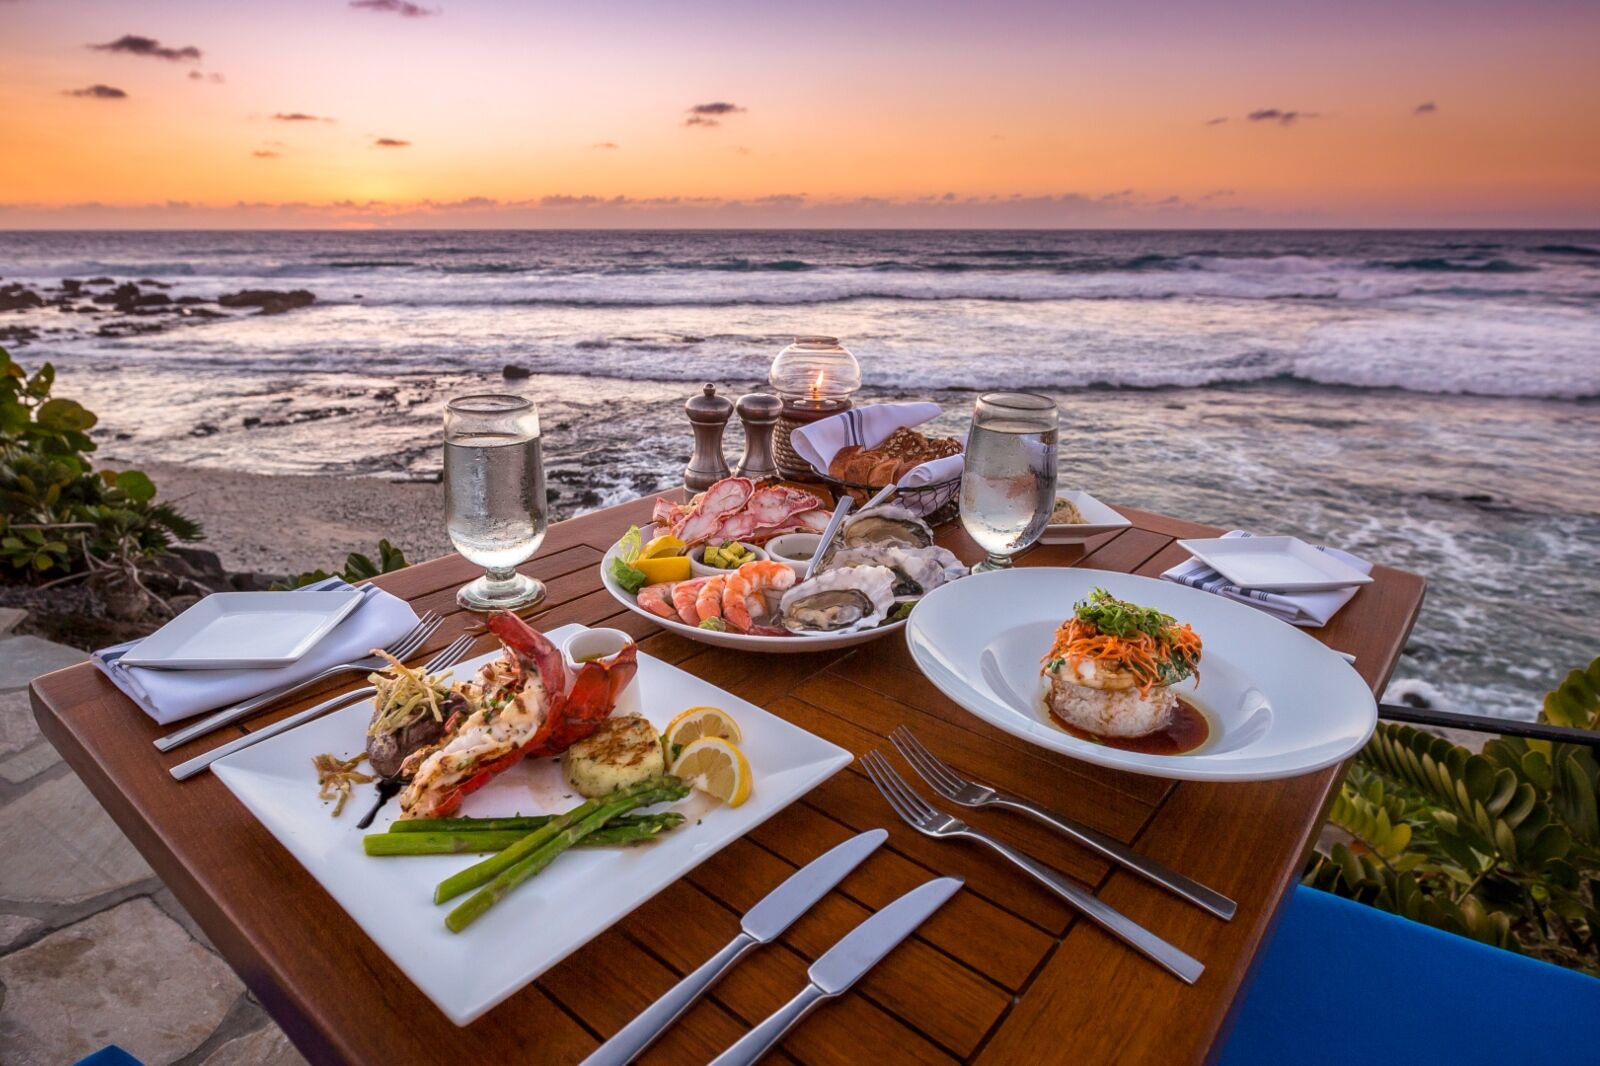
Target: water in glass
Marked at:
495, 506
1009, 482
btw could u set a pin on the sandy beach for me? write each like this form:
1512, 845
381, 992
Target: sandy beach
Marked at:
285, 524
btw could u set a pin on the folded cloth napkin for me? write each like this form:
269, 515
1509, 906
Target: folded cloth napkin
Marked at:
171, 695
1309, 609
870, 426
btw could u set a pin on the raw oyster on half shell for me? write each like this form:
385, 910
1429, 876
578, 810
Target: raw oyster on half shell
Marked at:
845, 600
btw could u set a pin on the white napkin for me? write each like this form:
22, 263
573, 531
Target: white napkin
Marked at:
870, 426
171, 695
1309, 609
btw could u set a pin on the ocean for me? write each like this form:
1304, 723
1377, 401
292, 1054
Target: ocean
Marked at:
1430, 400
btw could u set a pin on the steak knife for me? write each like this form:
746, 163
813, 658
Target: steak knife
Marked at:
859, 951
761, 924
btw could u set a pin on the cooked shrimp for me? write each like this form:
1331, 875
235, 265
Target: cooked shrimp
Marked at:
684, 594
708, 603
657, 599
743, 595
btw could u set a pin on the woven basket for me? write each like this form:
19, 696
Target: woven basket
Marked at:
937, 503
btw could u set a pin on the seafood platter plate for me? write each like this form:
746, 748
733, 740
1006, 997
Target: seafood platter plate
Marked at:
881, 564
1140, 674
574, 899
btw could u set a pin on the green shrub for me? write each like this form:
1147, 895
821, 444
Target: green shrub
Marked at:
58, 516
357, 567
1501, 846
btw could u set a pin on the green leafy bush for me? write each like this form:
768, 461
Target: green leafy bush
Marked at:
59, 517
1502, 846
357, 567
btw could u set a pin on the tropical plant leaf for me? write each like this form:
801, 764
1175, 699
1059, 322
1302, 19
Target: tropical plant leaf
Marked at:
1576, 701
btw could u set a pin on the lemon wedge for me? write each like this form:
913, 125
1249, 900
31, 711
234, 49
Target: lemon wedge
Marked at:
699, 722
665, 568
715, 767
662, 547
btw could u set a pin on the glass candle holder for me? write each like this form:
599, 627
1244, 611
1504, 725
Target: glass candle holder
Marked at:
814, 378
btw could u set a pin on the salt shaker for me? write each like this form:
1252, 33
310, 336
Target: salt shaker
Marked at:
708, 415
759, 413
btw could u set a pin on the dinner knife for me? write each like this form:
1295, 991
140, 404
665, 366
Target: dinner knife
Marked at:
185, 770
761, 924
843, 964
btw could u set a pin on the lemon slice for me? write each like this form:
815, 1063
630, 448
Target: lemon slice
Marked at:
715, 767
699, 722
662, 547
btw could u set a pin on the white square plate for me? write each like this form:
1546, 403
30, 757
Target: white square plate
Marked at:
244, 630
1274, 564
577, 897
1098, 518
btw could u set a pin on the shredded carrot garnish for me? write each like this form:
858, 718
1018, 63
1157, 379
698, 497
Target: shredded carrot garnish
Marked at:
1157, 652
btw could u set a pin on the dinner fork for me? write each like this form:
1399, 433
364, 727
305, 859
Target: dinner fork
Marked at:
453, 653
957, 789
929, 821
402, 648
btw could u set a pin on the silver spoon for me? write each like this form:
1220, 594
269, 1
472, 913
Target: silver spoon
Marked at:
839, 511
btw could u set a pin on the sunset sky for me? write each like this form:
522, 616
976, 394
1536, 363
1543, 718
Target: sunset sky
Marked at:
863, 113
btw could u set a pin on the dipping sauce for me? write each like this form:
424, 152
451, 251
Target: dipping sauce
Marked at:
1186, 731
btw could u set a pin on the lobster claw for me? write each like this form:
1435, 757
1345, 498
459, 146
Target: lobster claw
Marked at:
592, 698
534, 649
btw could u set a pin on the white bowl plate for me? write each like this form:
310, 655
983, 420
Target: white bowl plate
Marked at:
1278, 702
580, 895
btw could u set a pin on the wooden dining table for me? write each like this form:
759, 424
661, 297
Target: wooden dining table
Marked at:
1004, 973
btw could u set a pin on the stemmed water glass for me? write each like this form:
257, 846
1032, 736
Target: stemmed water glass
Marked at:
1008, 486
494, 496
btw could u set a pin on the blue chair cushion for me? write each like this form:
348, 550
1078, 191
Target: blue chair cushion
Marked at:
111, 1055
1345, 983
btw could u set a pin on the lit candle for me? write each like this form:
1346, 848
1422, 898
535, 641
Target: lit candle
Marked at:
816, 386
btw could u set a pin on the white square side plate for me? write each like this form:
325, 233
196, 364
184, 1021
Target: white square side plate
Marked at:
1098, 518
244, 630
1275, 564
577, 897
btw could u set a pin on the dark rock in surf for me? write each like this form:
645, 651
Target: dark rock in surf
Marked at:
515, 373
101, 281
14, 297
270, 301
124, 297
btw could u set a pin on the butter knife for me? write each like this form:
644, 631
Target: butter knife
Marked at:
761, 924
859, 951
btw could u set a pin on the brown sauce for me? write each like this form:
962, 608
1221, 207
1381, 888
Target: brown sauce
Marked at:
1184, 732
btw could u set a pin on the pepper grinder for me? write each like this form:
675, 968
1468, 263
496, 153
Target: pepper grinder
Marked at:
708, 415
759, 412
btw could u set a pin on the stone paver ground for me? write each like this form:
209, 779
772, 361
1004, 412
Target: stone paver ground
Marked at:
93, 949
